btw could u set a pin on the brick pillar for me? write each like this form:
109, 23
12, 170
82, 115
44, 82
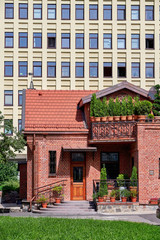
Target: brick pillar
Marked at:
23, 181
29, 171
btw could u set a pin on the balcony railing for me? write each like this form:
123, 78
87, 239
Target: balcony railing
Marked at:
114, 130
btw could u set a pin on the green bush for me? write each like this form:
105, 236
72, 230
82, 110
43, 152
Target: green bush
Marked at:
1, 188
136, 105
92, 105
156, 104
120, 180
125, 193
103, 182
144, 107
129, 106
98, 108
104, 107
10, 186
111, 107
8, 171
124, 107
133, 177
117, 108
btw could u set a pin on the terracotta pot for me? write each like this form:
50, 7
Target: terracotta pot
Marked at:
103, 119
129, 117
97, 119
110, 118
135, 117
116, 118
44, 205
123, 118
133, 188
105, 198
100, 199
58, 200
157, 118
133, 199
112, 199
153, 201
110, 187
142, 118
124, 199
92, 119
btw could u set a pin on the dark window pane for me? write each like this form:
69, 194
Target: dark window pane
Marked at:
150, 41
77, 174
107, 69
121, 69
52, 162
51, 40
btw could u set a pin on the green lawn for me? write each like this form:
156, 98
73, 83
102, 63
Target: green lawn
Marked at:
74, 229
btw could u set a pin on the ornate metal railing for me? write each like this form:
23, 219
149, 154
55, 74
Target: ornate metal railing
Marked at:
113, 130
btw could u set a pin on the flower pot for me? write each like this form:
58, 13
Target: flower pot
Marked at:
110, 118
110, 187
133, 199
129, 117
103, 119
97, 119
133, 188
116, 118
124, 199
92, 119
135, 117
123, 118
112, 199
153, 201
142, 118
44, 205
58, 200
105, 198
100, 199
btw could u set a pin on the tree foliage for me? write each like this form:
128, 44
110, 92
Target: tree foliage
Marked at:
9, 145
156, 104
8, 171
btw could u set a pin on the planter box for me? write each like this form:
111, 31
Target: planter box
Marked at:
153, 201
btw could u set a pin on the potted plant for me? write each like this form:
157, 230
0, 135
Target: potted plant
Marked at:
110, 109
150, 117
144, 108
92, 106
43, 200
134, 195
104, 114
103, 182
156, 103
133, 179
98, 110
135, 110
124, 109
121, 183
100, 196
117, 110
129, 108
125, 194
58, 191
113, 196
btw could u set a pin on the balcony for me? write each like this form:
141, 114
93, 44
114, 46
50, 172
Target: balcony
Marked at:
113, 131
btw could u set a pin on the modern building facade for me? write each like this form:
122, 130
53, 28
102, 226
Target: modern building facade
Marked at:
80, 45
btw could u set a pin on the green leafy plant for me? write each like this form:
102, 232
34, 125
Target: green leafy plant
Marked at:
125, 193
98, 109
150, 116
129, 106
124, 107
111, 106
156, 104
58, 190
134, 193
104, 107
117, 108
8, 171
113, 193
136, 105
103, 181
1, 188
42, 199
144, 107
9, 186
92, 105
133, 177
120, 180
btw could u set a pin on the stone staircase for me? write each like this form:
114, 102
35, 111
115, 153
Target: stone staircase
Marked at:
68, 208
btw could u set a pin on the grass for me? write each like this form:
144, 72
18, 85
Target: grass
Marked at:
74, 229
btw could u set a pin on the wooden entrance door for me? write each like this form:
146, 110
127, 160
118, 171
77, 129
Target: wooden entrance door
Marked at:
78, 179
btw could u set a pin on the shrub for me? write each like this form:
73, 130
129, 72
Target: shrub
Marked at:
92, 105
103, 182
117, 108
129, 105
156, 104
113, 193
98, 108
150, 116
125, 193
136, 105
144, 107
42, 199
10, 186
58, 190
133, 177
104, 107
124, 107
8, 171
120, 180
111, 106
1, 188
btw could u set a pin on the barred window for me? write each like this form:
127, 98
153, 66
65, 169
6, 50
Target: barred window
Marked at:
52, 162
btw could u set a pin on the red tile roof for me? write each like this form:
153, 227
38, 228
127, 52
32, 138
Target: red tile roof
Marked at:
54, 110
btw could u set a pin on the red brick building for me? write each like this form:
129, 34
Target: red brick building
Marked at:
64, 145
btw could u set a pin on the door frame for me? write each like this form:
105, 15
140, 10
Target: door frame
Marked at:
78, 164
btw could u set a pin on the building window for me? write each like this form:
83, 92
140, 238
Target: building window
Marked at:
149, 13
8, 126
9, 39
135, 41
23, 11
65, 41
135, 12
79, 69
51, 39
80, 40
79, 11
135, 70
111, 162
8, 69
37, 69
149, 70
51, 11
23, 69
65, 72
37, 11
107, 12
37, 40
93, 40
20, 92
121, 41
107, 69
107, 41
52, 162
93, 12
65, 12
121, 69
149, 41
23, 40
93, 69
51, 69
121, 12
9, 10
8, 97
19, 125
